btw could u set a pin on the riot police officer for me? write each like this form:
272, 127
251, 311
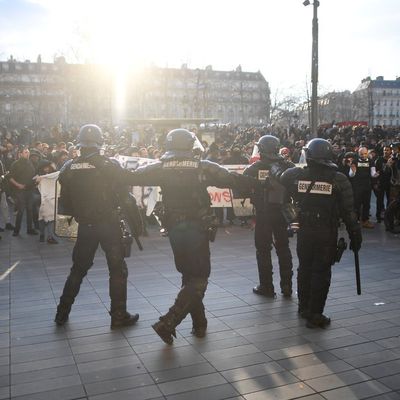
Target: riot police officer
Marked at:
322, 195
271, 226
183, 179
89, 185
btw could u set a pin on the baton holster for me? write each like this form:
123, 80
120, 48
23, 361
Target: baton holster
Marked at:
126, 240
210, 223
340, 248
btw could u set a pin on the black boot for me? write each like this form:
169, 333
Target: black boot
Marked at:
303, 312
119, 319
266, 291
286, 290
62, 314
118, 293
264, 265
317, 321
165, 329
184, 302
199, 319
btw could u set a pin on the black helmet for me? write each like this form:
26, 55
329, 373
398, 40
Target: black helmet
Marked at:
395, 145
268, 146
179, 139
90, 136
320, 152
179, 143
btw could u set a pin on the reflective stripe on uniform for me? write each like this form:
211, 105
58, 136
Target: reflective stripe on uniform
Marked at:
84, 165
263, 174
317, 188
181, 164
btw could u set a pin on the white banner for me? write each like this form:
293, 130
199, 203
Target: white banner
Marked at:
148, 196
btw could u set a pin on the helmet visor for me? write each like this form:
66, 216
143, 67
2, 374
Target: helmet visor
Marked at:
197, 146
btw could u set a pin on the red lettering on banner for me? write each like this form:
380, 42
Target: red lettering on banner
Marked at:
227, 195
217, 197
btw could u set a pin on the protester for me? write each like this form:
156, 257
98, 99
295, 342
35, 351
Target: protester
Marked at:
22, 173
46, 183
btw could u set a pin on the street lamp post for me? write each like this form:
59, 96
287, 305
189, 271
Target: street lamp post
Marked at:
314, 69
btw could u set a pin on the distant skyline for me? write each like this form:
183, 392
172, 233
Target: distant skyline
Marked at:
358, 38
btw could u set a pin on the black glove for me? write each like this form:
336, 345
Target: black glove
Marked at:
355, 240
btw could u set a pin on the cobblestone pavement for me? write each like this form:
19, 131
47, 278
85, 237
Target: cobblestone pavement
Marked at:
255, 348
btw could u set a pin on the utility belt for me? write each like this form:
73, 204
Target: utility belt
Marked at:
174, 218
106, 219
208, 223
312, 219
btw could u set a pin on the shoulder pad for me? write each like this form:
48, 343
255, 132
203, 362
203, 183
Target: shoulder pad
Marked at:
66, 166
292, 174
288, 164
208, 165
149, 167
251, 169
115, 162
340, 178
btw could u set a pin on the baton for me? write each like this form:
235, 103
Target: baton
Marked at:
139, 244
357, 266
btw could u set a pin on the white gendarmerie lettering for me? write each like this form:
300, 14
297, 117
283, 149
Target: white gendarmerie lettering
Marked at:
181, 164
263, 174
363, 165
84, 165
318, 187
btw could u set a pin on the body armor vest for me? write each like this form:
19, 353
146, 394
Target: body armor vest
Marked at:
363, 173
183, 193
90, 194
318, 206
266, 199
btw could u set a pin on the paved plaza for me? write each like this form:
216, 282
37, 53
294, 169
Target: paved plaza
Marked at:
255, 349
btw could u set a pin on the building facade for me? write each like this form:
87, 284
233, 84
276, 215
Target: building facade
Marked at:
43, 94
378, 101
333, 107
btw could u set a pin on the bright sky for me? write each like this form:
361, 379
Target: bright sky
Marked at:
357, 37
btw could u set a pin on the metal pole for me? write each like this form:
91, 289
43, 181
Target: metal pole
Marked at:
314, 72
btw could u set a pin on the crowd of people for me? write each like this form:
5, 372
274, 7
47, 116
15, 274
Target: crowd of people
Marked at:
368, 156
342, 164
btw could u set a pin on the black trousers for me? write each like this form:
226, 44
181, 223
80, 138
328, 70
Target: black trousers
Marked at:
108, 235
190, 245
381, 192
316, 249
362, 202
271, 229
24, 201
